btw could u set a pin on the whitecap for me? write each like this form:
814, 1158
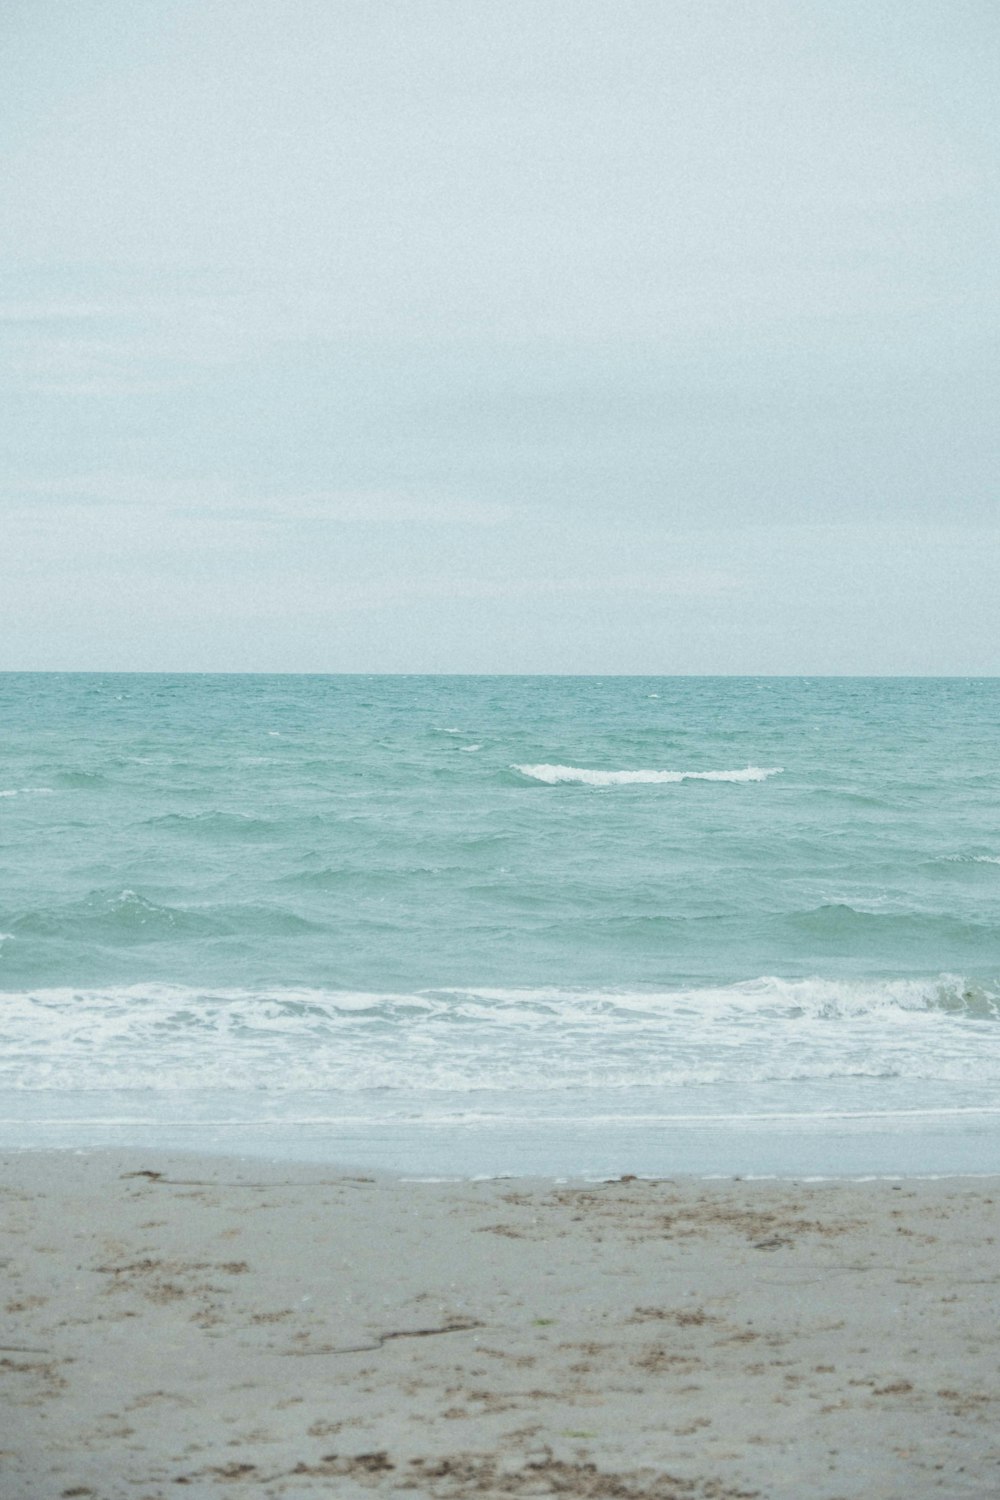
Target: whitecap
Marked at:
553, 775
503, 1042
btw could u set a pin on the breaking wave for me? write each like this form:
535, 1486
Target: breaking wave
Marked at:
554, 775
281, 1039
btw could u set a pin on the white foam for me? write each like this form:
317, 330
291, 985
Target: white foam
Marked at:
553, 775
504, 1120
507, 1041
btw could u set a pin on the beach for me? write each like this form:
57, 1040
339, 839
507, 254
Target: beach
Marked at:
448, 1086
211, 1326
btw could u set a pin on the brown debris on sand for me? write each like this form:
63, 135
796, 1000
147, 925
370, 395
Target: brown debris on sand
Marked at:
205, 1326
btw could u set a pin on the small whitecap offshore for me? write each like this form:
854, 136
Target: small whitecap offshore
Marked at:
554, 775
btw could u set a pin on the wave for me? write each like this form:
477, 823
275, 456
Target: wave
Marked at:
355, 879
281, 1039
81, 779
841, 922
555, 775
768, 997
125, 918
108, 915
214, 825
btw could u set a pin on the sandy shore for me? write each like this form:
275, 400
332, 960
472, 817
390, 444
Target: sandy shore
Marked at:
206, 1327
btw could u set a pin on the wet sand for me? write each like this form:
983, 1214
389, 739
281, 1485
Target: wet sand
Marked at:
183, 1325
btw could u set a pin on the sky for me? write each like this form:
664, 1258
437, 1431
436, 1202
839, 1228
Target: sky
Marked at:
641, 336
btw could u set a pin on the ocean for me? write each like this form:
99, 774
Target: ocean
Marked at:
538, 925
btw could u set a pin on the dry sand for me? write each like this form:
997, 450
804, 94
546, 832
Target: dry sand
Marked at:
205, 1327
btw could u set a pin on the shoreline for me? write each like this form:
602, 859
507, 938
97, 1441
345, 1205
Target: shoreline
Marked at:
257, 1161
958, 1140
223, 1325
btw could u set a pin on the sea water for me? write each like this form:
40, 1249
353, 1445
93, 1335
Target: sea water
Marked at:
478, 924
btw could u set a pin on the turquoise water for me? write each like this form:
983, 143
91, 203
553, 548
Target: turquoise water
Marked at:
473, 923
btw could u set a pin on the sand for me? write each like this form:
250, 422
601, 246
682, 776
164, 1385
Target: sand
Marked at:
182, 1325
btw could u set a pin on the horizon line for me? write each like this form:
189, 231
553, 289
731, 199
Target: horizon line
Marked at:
626, 676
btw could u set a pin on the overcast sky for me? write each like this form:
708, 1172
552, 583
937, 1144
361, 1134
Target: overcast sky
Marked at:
500, 335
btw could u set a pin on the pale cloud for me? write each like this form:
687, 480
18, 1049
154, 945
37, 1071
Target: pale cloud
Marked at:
362, 507
449, 588
59, 365
53, 312
114, 491
144, 494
